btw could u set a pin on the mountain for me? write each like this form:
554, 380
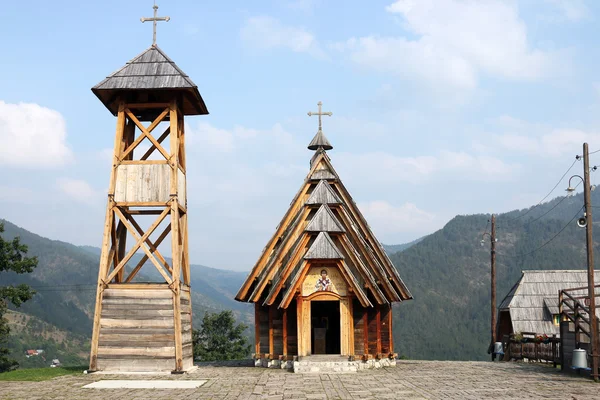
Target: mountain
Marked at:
65, 282
448, 273
395, 248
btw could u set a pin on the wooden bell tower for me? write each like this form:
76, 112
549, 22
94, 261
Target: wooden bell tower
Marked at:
143, 322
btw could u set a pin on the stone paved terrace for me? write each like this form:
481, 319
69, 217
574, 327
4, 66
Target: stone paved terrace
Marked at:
408, 380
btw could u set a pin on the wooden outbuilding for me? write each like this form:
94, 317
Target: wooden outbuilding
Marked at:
141, 325
323, 284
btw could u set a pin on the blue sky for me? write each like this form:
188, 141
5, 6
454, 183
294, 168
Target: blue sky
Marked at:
440, 107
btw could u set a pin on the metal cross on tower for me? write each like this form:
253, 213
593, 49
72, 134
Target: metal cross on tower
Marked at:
319, 113
155, 19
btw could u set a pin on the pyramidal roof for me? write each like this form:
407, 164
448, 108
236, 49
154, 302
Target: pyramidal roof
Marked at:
319, 141
324, 221
323, 248
336, 234
323, 194
151, 71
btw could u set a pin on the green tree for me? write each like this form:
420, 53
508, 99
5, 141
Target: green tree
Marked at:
12, 259
220, 338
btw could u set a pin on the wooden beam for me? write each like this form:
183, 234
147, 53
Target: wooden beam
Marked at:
299, 339
141, 263
388, 266
362, 268
285, 302
144, 162
366, 331
153, 246
289, 267
141, 243
185, 247
144, 106
390, 329
256, 328
121, 233
288, 242
363, 249
271, 344
160, 139
242, 293
351, 323
108, 222
378, 323
176, 243
285, 338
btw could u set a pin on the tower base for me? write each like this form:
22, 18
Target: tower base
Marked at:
137, 331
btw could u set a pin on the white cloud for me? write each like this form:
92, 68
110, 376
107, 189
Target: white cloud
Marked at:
207, 136
32, 136
380, 167
267, 33
79, 190
540, 140
456, 42
395, 224
572, 10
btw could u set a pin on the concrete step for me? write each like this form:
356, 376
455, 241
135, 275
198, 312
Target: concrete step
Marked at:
325, 367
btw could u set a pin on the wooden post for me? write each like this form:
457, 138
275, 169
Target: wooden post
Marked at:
257, 328
493, 285
285, 339
594, 339
175, 236
366, 331
271, 344
390, 329
378, 322
351, 350
104, 255
299, 327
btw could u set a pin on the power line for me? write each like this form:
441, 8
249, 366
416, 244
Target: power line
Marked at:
577, 158
552, 208
550, 240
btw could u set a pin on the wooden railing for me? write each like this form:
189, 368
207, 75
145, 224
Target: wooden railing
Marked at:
528, 346
572, 307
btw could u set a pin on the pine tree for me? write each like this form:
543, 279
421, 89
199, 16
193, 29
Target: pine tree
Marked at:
12, 259
220, 338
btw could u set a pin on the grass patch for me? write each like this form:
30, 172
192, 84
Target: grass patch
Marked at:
39, 374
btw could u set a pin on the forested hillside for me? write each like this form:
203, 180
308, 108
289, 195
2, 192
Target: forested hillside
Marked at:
65, 282
448, 273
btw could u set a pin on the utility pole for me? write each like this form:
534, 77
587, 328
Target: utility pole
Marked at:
590, 260
493, 281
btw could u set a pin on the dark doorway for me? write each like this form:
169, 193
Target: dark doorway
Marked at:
325, 327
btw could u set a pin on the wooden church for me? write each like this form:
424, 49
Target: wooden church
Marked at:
323, 284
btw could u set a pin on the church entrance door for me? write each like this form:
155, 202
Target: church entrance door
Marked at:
325, 327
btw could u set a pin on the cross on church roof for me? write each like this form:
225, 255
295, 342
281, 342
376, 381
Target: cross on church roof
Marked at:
320, 141
319, 113
154, 20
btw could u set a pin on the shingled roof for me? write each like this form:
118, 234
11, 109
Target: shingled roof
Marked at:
323, 224
150, 77
534, 298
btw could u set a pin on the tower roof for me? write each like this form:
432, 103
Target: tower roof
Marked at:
320, 141
150, 77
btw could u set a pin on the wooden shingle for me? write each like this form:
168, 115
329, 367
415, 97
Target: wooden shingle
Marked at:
323, 248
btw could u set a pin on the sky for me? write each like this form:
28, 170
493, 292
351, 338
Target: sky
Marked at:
440, 108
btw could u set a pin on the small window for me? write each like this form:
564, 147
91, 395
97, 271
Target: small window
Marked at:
556, 319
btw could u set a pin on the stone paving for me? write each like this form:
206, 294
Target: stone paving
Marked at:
408, 380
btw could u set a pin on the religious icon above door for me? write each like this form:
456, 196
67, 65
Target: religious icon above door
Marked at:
324, 279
